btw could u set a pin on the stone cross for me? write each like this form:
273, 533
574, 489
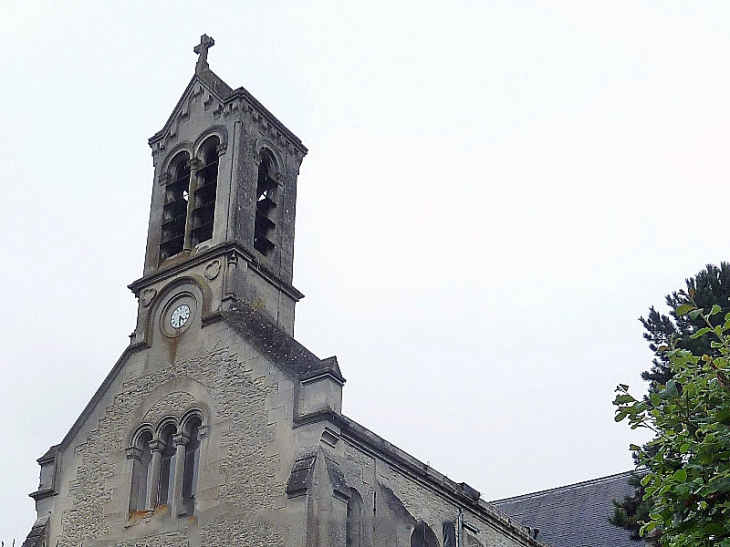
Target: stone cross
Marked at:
206, 42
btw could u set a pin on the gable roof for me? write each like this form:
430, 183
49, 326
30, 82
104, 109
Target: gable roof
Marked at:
575, 515
225, 94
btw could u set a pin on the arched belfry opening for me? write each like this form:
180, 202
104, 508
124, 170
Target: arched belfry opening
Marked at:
205, 191
266, 188
175, 208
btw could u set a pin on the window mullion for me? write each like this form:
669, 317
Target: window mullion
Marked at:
181, 441
157, 447
195, 167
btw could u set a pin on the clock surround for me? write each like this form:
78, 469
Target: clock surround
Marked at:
178, 314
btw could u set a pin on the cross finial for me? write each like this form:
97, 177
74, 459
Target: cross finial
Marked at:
206, 42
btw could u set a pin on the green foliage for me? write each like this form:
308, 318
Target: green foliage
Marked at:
631, 512
710, 287
688, 462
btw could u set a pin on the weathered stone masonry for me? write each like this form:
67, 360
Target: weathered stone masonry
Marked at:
216, 427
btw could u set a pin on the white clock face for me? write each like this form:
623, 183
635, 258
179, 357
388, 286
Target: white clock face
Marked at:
180, 316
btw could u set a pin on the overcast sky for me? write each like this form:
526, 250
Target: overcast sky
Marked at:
495, 192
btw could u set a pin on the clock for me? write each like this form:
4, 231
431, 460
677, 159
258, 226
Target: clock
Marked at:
179, 316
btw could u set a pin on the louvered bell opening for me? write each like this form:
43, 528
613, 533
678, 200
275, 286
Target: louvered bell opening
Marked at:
175, 210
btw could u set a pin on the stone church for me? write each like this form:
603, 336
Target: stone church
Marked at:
216, 427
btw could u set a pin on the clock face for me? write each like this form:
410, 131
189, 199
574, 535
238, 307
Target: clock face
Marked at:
180, 316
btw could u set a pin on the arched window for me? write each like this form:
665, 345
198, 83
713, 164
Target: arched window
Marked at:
175, 209
167, 467
192, 464
141, 454
266, 187
205, 191
354, 535
423, 536
449, 530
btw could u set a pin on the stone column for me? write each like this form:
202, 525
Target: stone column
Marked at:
157, 446
181, 441
195, 164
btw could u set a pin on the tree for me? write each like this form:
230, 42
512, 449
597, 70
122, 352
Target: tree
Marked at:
687, 481
709, 287
632, 511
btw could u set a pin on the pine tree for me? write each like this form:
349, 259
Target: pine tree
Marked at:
710, 286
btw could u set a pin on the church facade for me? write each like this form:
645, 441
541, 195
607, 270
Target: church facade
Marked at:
216, 427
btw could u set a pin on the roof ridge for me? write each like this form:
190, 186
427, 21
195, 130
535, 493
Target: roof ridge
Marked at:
566, 487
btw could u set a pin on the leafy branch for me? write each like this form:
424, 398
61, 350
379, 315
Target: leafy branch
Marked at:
687, 483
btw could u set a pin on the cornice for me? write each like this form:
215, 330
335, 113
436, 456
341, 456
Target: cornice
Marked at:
42, 494
461, 494
242, 93
214, 252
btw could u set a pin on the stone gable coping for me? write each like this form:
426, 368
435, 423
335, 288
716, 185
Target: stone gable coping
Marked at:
337, 479
302, 473
280, 347
37, 535
327, 367
291, 356
227, 96
103, 388
301, 476
50, 455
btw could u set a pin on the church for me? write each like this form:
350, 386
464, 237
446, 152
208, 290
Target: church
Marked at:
215, 426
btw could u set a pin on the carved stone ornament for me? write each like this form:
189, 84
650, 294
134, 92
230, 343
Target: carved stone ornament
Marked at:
133, 453
147, 296
212, 270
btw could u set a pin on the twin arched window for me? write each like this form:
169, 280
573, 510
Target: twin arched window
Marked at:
188, 210
165, 466
189, 203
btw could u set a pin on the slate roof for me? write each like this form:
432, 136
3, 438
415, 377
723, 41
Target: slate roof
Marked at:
575, 515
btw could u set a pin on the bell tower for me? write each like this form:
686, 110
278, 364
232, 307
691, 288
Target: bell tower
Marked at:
223, 202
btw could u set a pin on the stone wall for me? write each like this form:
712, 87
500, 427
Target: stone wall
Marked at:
242, 472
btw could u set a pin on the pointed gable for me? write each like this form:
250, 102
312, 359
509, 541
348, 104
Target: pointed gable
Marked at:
214, 91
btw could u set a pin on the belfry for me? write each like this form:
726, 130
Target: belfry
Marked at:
216, 427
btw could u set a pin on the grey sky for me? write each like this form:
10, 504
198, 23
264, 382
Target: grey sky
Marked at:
494, 192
